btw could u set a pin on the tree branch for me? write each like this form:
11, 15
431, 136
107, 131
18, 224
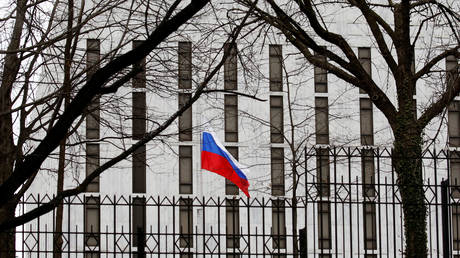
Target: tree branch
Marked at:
372, 19
427, 68
33, 161
49, 206
235, 93
437, 107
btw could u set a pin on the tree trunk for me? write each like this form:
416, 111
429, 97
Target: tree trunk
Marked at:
294, 213
57, 247
407, 163
294, 227
7, 237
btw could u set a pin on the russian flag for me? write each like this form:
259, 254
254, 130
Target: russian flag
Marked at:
215, 158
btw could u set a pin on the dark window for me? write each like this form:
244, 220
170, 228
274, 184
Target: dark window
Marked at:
140, 79
186, 255
92, 163
139, 115
92, 254
278, 224
320, 77
231, 188
232, 216
92, 64
366, 121
92, 119
185, 120
139, 170
455, 225
276, 119
364, 56
92, 221
185, 170
323, 172
231, 118
368, 172
138, 221
454, 158
185, 65
370, 227
322, 120
324, 225
277, 171
276, 67
452, 69
93, 50
231, 69
186, 222
453, 123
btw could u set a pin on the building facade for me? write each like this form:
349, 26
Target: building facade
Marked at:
317, 147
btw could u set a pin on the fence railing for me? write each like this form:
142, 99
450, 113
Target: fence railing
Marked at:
345, 213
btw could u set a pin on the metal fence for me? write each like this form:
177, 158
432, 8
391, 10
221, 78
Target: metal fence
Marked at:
339, 211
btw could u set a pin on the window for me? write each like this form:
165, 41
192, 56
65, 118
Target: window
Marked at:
451, 69
370, 227
93, 50
455, 207
322, 120
320, 77
231, 118
91, 254
454, 158
140, 79
92, 221
186, 222
231, 68
185, 120
278, 224
185, 170
275, 67
453, 123
364, 56
139, 170
139, 105
92, 163
366, 121
368, 172
231, 188
138, 221
232, 216
277, 171
92, 119
138, 115
185, 65
92, 64
276, 119
322, 168
324, 225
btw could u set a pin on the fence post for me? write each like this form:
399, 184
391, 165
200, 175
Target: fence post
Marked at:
302, 241
140, 243
445, 218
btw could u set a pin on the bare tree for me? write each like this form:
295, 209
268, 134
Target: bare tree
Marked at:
308, 25
31, 127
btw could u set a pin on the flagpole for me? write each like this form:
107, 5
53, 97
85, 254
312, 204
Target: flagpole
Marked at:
201, 170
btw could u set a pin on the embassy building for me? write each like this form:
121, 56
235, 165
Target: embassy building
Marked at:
317, 149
